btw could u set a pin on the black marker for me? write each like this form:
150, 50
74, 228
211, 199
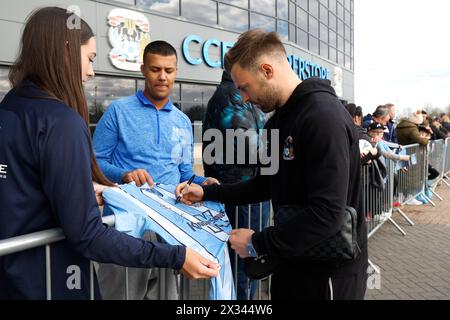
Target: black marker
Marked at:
188, 183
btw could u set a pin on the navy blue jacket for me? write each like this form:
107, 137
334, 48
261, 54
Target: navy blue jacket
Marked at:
45, 152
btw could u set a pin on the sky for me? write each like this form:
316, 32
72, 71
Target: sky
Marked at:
402, 54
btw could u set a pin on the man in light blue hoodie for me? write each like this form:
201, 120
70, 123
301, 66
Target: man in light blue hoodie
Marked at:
145, 138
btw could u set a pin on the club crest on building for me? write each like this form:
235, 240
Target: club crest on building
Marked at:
288, 149
128, 35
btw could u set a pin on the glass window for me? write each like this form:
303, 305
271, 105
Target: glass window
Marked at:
333, 38
166, 6
314, 44
314, 8
282, 29
323, 14
313, 26
194, 99
340, 11
282, 9
324, 49
101, 91
200, 10
347, 17
233, 18
126, 1
323, 32
303, 4
332, 54
340, 44
340, 27
347, 33
333, 22
302, 19
239, 3
302, 38
347, 4
263, 22
332, 6
292, 12
347, 48
263, 6
292, 33
4, 82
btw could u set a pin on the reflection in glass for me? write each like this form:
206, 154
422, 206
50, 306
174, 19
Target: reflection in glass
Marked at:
167, 6
340, 44
194, 99
263, 22
101, 91
233, 18
263, 6
200, 10
4, 82
239, 3
282, 9
282, 29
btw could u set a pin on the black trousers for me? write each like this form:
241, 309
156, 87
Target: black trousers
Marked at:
289, 284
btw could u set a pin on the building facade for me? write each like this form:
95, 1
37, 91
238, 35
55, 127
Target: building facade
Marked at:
318, 36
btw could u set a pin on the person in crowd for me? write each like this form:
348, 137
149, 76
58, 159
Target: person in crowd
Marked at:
144, 138
376, 132
227, 111
45, 146
381, 115
391, 134
367, 151
408, 130
319, 173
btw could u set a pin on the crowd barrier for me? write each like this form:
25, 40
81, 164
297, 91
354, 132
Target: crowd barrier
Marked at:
399, 185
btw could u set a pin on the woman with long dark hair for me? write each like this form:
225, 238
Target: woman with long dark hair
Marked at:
48, 167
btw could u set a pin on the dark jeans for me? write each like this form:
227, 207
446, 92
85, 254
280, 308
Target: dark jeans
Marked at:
258, 219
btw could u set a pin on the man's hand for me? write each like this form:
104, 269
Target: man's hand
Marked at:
140, 176
197, 267
99, 188
190, 193
239, 239
209, 181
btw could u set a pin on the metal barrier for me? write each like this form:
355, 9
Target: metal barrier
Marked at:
45, 238
447, 162
437, 159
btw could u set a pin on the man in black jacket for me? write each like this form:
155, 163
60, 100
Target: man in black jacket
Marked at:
319, 171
